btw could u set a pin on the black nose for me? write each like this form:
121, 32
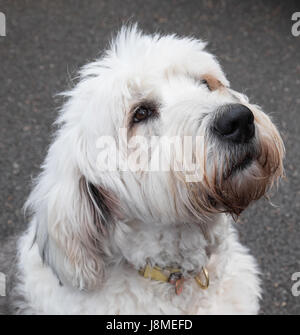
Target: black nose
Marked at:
235, 123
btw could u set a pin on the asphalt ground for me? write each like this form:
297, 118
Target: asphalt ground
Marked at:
47, 41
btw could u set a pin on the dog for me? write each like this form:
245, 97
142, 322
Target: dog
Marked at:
138, 241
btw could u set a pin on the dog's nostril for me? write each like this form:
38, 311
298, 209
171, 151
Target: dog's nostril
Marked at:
235, 123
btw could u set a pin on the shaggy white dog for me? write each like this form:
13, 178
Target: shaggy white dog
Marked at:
138, 241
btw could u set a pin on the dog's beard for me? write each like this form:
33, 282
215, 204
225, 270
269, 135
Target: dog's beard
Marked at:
236, 175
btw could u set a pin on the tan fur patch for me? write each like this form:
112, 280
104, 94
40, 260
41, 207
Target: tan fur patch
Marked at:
212, 82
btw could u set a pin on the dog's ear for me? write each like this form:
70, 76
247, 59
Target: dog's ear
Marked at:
71, 229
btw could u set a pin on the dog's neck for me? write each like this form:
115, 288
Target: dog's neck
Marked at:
185, 246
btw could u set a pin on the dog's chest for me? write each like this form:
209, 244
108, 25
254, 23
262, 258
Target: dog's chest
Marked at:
185, 246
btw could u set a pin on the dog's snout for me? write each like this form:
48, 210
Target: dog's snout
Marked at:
235, 123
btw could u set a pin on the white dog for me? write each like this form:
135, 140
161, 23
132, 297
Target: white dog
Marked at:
148, 242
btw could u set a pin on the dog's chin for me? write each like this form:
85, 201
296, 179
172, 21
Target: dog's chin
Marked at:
246, 181
239, 166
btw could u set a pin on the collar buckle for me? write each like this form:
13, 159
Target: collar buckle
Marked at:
175, 277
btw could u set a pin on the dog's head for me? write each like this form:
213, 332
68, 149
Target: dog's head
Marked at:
151, 87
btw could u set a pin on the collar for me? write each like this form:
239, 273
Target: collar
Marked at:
174, 276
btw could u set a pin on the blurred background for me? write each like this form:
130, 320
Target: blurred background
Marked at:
46, 43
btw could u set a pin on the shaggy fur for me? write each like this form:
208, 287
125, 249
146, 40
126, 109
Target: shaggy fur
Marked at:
92, 230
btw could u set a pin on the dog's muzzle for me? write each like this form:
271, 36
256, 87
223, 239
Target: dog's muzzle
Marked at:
233, 129
234, 123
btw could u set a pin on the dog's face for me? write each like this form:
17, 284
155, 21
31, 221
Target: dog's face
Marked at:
226, 152
163, 87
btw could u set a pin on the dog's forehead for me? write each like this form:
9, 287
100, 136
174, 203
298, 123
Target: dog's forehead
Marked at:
151, 57
173, 78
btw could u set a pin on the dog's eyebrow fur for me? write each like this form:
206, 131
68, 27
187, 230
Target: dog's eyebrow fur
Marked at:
212, 82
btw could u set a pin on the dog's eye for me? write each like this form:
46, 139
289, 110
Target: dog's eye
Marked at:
142, 113
205, 82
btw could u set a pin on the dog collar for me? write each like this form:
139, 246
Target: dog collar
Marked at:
174, 276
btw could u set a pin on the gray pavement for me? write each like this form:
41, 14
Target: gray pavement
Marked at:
47, 41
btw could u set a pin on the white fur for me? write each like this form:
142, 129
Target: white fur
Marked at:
96, 258
234, 287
